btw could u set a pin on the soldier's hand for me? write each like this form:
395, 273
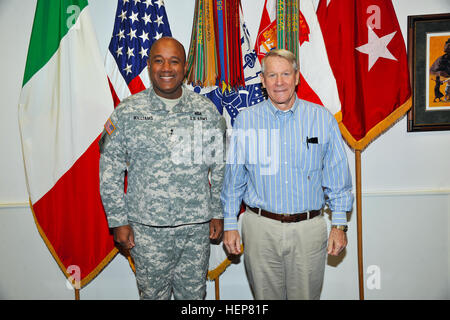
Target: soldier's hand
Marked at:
215, 229
124, 235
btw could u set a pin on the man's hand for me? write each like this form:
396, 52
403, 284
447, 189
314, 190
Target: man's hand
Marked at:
215, 229
337, 241
232, 241
124, 235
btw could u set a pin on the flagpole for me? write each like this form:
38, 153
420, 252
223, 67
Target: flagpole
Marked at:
359, 223
217, 287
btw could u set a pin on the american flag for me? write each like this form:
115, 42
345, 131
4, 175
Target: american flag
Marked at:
138, 23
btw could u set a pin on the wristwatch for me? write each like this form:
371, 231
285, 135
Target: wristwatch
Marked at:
341, 227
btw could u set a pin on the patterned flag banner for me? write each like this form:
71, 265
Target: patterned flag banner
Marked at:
234, 59
230, 100
137, 25
367, 53
215, 56
228, 96
317, 83
64, 103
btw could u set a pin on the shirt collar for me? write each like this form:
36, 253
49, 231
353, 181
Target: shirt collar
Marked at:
158, 103
277, 112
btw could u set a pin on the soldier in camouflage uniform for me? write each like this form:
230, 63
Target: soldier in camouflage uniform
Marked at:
170, 140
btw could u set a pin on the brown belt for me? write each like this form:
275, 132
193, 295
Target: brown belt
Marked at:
285, 217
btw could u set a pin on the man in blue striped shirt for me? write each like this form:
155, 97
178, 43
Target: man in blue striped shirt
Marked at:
286, 160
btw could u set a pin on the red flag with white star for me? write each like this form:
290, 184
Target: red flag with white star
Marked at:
368, 57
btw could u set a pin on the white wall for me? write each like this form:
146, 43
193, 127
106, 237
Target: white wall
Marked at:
406, 190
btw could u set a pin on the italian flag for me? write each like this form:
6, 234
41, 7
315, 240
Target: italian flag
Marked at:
64, 103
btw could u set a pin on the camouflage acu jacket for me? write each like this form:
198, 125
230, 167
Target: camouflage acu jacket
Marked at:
174, 159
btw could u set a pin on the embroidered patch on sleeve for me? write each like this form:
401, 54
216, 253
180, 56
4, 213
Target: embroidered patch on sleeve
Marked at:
109, 126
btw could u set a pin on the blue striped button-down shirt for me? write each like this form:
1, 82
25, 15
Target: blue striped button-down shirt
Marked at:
286, 162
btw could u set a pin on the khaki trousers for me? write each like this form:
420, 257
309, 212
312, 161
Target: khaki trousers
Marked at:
284, 260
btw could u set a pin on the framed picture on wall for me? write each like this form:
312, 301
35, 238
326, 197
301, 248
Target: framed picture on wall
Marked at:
429, 63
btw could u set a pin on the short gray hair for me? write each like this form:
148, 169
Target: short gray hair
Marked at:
282, 53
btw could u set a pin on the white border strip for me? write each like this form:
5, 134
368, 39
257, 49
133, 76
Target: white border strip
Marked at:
14, 205
388, 193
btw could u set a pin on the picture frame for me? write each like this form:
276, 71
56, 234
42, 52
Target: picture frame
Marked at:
429, 64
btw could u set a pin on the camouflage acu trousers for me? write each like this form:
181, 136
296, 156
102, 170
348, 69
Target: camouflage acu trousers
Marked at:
171, 260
